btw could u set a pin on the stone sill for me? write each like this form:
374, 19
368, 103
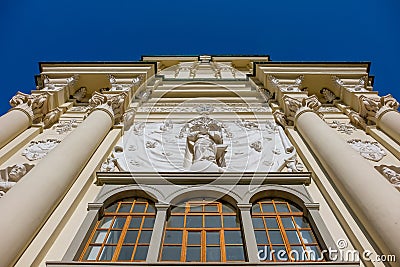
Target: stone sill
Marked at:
191, 178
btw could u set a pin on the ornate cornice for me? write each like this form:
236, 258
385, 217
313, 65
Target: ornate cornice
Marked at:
113, 104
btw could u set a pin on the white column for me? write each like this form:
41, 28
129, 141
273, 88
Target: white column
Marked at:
26, 207
248, 230
158, 231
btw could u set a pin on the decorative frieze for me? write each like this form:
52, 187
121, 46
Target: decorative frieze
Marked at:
329, 109
368, 149
65, 126
39, 149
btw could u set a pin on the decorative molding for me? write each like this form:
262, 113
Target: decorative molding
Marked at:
328, 95
52, 117
65, 126
113, 104
11, 175
35, 106
360, 87
39, 149
368, 149
202, 109
328, 109
80, 94
83, 109
357, 120
391, 173
342, 127
295, 87
257, 146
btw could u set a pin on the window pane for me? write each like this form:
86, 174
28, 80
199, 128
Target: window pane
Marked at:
194, 238
194, 221
178, 209
280, 253
112, 208
233, 237
175, 221
307, 236
119, 222
258, 223
124, 208
173, 237
113, 237
126, 253
282, 208
213, 221
261, 237
148, 222
271, 223
150, 208
287, 222
212, 238
275, 237
141, 253
145, 237
268, 207
105, 222
293, 237
131, 237
228, 209
171, 253
196, 208
256, 208
193, 254
294, 208
211, 208
301, 222
107, 253
135, 222
139, 208
231, 221
234, 253
91, 253
213, 254
99, 236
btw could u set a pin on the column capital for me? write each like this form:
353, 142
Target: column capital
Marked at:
373, 107
293, 107
34, 106
244, 206
113, 104
162, 206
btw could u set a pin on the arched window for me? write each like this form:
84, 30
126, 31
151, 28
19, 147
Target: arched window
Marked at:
203, 231
280, 226
124, 232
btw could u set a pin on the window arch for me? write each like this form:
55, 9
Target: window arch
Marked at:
280, 225
203, 231
123, 233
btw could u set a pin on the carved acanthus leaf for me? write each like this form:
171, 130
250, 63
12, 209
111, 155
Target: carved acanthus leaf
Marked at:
390, 102
115, 104
34, 105
290, 87
369, 106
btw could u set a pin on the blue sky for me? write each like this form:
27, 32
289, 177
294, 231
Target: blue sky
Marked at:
123, 30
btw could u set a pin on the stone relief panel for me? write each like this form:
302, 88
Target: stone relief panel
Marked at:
391, 173
65, 126
342, 127
204, 144
39, 149
368, 149
11, 175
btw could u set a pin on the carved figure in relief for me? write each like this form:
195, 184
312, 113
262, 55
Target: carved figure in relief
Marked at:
11, 175
80, 94
391, 173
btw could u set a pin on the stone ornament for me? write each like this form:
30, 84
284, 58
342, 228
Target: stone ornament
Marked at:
112, 103
370, 108
11, 175
357, 120
291, 106
257, 146
65, 126
39, 149
80, 94
359, 87
52, 117
368, 149
342, 127
328, 109
249, 125
391, 173
35, 106
328, 95
295, 87
80, 109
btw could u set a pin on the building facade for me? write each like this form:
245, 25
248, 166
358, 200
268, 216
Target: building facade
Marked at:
211, 160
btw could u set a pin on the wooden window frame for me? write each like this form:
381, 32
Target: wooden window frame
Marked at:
120, 243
